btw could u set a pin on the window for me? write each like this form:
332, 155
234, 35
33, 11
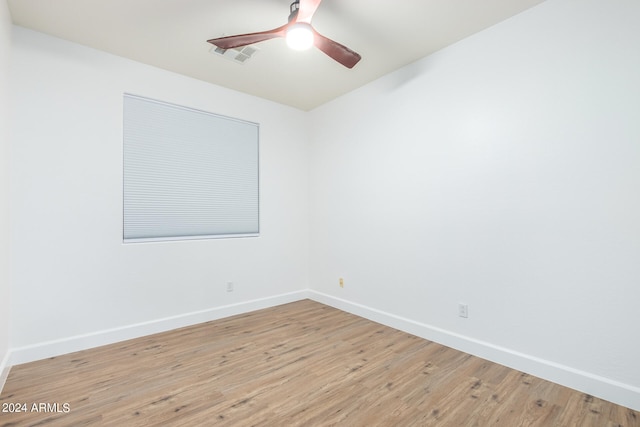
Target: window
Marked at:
188, 174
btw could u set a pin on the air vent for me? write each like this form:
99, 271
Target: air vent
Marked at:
239, 55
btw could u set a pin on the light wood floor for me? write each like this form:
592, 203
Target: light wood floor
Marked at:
299, 364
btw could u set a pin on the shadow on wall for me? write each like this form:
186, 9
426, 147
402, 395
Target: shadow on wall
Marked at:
405, 75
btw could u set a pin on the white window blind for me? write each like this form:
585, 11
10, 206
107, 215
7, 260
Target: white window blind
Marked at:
188, 174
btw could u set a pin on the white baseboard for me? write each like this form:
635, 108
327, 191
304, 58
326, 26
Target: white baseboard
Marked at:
83, 342
601, 387
604, 388
4, 369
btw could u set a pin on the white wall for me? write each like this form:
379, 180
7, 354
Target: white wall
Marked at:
75, 283
502, 172
5, 307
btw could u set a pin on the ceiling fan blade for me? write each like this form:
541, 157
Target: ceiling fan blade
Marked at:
335, 50
229, 42
306, 10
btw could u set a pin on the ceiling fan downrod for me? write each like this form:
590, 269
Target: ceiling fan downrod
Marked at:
293, 9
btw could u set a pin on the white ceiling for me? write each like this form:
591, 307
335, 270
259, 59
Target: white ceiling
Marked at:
172, 34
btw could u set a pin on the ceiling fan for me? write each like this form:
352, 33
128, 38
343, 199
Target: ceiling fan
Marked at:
299, 34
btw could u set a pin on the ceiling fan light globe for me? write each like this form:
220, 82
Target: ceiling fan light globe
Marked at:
300, 36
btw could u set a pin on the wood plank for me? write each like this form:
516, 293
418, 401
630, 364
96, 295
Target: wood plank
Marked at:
298, 364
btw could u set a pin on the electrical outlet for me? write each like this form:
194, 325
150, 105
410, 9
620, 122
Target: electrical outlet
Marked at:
463, 310
341, 282
229, 286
